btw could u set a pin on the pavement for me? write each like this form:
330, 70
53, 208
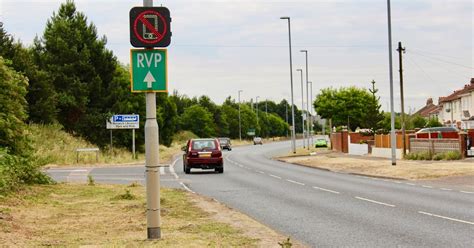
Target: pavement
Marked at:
319, 208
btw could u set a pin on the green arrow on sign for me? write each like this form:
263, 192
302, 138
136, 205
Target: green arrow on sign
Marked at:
148, 70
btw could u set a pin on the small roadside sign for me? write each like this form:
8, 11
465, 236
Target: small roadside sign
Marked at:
148, 70
150, 27
124, 122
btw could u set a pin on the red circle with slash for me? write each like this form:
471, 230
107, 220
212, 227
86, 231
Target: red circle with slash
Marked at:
142, 20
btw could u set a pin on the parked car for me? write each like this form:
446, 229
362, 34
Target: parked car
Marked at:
257, 140
321, 142
225, 144
438, 129
202, 154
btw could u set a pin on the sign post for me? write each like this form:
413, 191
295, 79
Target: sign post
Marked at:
124, 122
150, 27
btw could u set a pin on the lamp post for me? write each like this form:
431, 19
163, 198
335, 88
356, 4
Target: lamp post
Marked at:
307, 102
293, 144
240, 125
311, 107
392, 116
302, 108
256, 101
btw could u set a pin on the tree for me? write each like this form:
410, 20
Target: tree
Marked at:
373, 115
198, 120
433, 122
348, 106
418, 121
13, 106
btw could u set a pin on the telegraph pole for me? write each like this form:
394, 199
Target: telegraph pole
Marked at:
400, 60
393, 137
240, 125
302, 108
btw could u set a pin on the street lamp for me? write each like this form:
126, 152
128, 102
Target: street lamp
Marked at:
392, 116
240, 125
302, 108
256, 100
293, 145
311, 107
307, 102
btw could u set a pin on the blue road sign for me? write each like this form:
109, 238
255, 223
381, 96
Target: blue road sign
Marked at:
125, 119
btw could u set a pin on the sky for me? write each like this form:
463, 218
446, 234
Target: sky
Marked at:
221, 47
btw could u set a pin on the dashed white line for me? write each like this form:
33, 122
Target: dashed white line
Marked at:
172, 169
376, 202
466, 192
447, 218
396, 182
261, 172
412, 184
327, 190
445, 189
427, 186
277, 177
295, 182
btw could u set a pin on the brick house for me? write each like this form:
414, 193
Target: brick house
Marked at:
457, 109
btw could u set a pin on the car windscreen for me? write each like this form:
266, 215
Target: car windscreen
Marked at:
203, 144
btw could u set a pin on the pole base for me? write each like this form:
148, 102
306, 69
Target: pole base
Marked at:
393, 164
153, 233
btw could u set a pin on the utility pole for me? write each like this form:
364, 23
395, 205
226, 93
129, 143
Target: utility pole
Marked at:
307, 102
400, 51
302, 108
152, 163
240, 125
256, 101
311, 108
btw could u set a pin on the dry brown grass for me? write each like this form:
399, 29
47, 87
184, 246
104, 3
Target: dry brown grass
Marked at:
411, 170
81, 215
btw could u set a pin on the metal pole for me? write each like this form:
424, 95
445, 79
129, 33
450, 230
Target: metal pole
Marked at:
311, 107
307, 102
133, 144
152, 163
393, 137
286, 114
302, 108
256, 101
111, 143
293, 143
400, 50
240, 125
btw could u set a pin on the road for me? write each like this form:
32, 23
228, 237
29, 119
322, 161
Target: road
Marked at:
319, 208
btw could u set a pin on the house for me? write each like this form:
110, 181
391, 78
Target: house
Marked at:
457, 109
430, 110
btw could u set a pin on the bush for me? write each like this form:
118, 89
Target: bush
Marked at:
17, 170
451, 155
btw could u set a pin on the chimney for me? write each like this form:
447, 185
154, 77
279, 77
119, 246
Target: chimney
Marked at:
429, 101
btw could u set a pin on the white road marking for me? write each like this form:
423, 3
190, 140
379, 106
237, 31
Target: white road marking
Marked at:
261, 172
295, 182
447, 218
466, 192
427, 186
445, 189
275, 176
186, 187
412, 184
241, 166
327, 190
162, 170
376, 202
396, 182
172, 169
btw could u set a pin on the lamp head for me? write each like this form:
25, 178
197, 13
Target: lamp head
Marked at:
285, 18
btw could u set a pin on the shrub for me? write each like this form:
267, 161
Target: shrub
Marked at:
419, 156
452, 155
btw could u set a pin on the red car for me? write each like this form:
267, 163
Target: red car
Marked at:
203, 154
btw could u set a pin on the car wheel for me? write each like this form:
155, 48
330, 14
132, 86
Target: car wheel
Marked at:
220, 170
187, 170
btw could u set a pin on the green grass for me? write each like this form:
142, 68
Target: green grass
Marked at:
81, 215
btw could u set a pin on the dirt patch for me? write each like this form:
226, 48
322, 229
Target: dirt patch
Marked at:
252, 228
410, 170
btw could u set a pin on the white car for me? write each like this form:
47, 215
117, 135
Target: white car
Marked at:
257, 140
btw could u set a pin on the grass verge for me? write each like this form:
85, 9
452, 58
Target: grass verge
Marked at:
108, 215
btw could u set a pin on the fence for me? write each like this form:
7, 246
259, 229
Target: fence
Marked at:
434, 145
339, 141
383, 141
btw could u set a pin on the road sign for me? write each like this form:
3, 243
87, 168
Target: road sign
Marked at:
124, 122
148, 70
251, 132
150, 27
